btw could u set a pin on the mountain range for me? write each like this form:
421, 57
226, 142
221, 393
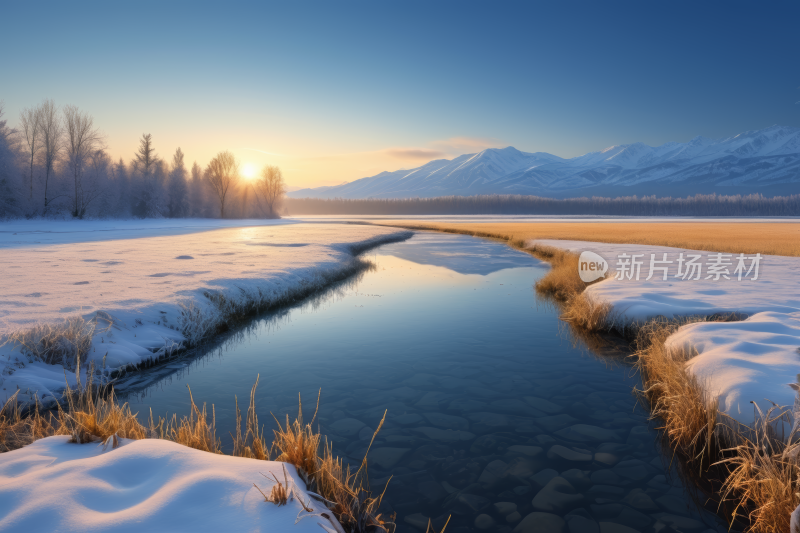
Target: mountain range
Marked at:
765, 161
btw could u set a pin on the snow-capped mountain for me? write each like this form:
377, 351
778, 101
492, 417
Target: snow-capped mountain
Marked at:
763, 161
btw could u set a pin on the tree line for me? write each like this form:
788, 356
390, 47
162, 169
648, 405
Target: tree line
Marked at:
55, 164
698, 205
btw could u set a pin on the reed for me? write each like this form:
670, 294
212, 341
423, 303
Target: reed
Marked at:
763, 475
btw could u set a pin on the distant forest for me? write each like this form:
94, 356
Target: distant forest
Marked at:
698, 205
54, 164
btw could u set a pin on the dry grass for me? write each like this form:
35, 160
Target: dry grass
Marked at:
280, 493
763, 475
17, 430
347, 494
65, 343
194, 431
91, 416
298, 443
776, 238
689, 414
755, 471
252, 445
561, 283
355, 506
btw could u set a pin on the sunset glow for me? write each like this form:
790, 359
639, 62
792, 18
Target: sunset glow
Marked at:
249, 171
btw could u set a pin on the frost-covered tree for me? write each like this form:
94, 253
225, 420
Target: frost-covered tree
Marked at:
223, 176
178, 206
145, 158
9, 187
198, 192
100, 174
31, 128
83, 141
270, 189
123, 189
52, 139
148, 195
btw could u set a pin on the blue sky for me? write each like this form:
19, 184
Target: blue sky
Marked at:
334, 91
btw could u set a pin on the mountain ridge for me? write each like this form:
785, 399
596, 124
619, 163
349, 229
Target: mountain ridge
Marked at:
766, 161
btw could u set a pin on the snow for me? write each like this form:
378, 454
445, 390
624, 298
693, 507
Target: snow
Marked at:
143, 276
15, 233
147, 485
751, 360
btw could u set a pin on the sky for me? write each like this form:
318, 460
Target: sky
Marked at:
333, 91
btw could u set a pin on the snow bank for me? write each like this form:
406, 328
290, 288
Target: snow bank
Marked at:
15, 233
152, 292
752, 360
146, 485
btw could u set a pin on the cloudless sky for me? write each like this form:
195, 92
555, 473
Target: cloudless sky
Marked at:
337, 90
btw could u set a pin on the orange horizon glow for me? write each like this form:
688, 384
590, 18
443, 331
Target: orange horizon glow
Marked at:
303, 162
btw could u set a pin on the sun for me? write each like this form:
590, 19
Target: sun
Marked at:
248, 171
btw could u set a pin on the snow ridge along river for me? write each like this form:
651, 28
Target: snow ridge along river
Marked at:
150, 283
754, 360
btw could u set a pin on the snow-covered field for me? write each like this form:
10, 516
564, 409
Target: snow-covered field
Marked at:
147, 485
751, 360
152, 281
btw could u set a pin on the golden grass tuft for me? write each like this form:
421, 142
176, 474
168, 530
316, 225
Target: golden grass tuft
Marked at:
689, 413
347, 494
252, 444
194, 431
355, 506
561, 282
65, 343
298, 443
763, 475
280, 493
17, 430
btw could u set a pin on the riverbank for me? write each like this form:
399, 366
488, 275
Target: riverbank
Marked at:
753, 467
139, 296
775, 238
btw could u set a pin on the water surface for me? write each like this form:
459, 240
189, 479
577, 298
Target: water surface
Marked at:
493, 414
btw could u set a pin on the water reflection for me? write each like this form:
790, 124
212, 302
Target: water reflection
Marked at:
493, 416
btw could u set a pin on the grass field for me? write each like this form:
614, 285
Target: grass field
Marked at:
775, 238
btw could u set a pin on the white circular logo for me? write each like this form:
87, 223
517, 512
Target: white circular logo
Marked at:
591, 267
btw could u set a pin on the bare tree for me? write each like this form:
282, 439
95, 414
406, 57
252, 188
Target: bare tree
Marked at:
271, 188
30, 120
222, 174
83, 141
52, 134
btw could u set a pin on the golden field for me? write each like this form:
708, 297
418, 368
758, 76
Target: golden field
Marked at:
775, 238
